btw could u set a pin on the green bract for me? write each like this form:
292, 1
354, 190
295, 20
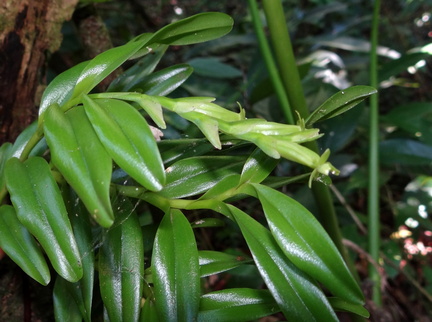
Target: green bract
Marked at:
119, 211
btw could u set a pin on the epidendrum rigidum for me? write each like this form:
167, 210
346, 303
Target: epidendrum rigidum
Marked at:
78, 176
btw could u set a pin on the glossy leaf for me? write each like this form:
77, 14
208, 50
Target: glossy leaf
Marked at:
257, 167
81, 292
65, 309
344, 306
305, 242
212, 67
79, 155
165, 81
104, 64
128, 139
60, 89
121, 266
175, 267
340, 102
213, 262
223, 189
196, 175
198, 28
405, 151
137, 72
297, 295
238, 304
5, 154
40, 208
174, 150
148, 312
20, 246
208, 223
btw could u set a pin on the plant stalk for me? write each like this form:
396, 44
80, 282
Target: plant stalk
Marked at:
291, 78
270, 63
373, 198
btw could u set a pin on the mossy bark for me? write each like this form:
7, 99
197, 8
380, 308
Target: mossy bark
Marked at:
29, 31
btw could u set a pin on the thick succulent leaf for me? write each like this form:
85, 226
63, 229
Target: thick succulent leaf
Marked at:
212, 262
175, 269
82, 291
165, 81
40, 208
305, 242
198, 28
65, 309
238, 304
344, 306
20, 246
59, 91
148, 312
104, 64
121, 266
223, 189
340, 102
297, 295
78, 154
128, 139
137, 72
257, 167
196, 175
5, 154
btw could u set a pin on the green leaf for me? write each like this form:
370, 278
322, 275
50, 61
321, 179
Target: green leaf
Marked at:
40, 208
137, 72
64, 308
82, 291
20, 246
174, 150
165, 81
212, 67
104, 64
5, 154
305, 242
213, 262
414, 118
208, 223
397, 66
198, 28
175, 269
128, 139
405, 151
78, 154
192, 176
237, 304
344, 306
340, 102
297, 295
222, 189
60, 89
121, 266
257, 167
148, 312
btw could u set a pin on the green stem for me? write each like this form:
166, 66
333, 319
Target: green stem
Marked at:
285, 58
373, 198
269, 61
291, 79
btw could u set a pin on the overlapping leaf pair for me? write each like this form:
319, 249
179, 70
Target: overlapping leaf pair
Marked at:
62, 177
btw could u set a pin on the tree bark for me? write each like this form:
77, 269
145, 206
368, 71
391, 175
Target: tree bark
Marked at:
29, 30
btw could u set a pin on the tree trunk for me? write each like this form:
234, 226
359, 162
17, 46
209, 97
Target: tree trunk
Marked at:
29, 30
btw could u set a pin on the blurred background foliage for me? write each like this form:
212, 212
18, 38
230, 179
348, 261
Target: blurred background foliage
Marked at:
330, 39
